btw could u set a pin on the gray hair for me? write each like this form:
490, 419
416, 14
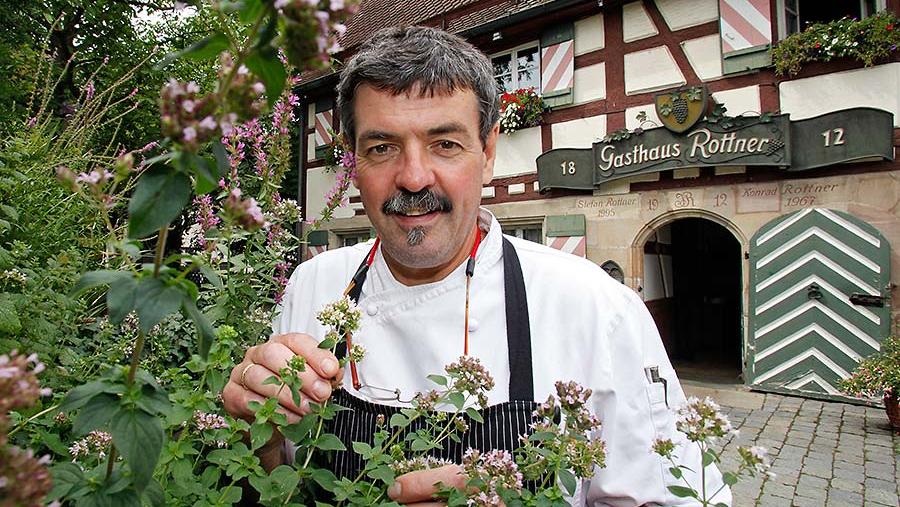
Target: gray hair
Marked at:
397, 59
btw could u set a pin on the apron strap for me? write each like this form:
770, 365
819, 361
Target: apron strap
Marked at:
518, 329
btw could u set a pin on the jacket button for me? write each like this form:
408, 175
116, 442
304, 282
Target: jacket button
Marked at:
473, 325
372, 310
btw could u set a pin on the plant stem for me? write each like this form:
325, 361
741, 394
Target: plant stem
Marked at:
35, 416
112, 460
135, 358
160, 249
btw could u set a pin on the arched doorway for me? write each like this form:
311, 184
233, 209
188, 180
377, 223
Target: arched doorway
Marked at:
692, 284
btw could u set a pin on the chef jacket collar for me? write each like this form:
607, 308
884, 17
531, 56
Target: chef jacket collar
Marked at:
380, 280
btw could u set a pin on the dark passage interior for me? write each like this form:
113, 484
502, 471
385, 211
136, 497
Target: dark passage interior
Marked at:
699, 313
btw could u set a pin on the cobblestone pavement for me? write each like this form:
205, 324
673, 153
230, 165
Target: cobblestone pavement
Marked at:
824, 454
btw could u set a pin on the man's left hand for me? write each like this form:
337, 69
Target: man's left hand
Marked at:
418, 488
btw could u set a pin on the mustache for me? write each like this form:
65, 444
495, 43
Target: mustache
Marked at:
424, 201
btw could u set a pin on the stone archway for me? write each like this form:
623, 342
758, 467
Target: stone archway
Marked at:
691, 272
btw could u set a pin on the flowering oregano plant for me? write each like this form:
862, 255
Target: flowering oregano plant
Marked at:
703, 423
877, 375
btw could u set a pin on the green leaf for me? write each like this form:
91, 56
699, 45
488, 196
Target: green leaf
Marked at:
9, 211
9, 316
708, 458
457, 400
398, 421
324, 478
363, 449
540, 436
96, 413
154, 494
683, 492
676, 472
154, 300
730, 478
139, 438
299, 431
203, 49
66, 478
205, 332
260, 434
383, 473
264, 62
120, 298
568, 480
438, 379
327, 344
211, 275
93, 279
474, 415
159, 197
79, 396
250, 10
420, 444
329, 442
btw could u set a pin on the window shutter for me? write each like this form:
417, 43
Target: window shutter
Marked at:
317, 242
324, 125
558, 65
745, 28
566, 233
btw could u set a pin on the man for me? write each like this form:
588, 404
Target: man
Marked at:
420, 109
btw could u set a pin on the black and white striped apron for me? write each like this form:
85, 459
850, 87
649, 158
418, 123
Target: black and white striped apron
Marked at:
504, 423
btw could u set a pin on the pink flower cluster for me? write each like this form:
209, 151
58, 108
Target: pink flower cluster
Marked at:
19, 387
469, 375
497, 470
186, 117
702, 421
281, 279
95, 444
245, 212
205, 421
283, 113
324, 18
24, 479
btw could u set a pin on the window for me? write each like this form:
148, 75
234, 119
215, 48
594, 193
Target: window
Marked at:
529, 232
354, 237
517, 69
797, 14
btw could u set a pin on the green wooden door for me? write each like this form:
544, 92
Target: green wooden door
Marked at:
810, 322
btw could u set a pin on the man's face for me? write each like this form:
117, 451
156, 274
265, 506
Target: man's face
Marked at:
420, 169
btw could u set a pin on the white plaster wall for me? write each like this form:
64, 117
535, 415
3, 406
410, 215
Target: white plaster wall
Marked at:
681, 14
517, 152
631, 121
318, 183
590, 83
311, 115
650, 70
636, 23
311, 147
655, 272
589, 34
740, 100
877, 87
705, 56
580, 133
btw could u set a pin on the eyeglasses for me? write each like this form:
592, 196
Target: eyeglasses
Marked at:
394, 395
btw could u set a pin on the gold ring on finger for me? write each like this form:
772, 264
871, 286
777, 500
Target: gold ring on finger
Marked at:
244, 374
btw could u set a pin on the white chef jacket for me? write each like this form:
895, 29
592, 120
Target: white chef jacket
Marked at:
585, 327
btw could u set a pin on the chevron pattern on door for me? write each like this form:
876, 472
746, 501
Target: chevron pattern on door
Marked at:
805, 332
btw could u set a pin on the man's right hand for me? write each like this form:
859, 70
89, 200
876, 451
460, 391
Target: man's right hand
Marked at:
263, 361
